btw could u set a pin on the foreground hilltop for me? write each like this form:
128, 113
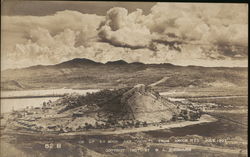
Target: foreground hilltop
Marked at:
122, 108
143, 104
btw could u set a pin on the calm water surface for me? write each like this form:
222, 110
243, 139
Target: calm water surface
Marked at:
8, 105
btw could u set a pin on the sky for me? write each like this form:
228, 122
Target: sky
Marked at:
47, 32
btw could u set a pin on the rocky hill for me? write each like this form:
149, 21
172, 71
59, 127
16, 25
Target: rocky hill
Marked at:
140, 103
121, 108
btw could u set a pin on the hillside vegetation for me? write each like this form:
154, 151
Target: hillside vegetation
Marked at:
83, 73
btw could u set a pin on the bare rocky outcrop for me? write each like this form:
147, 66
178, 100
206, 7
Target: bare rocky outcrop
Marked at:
144, 104
140, 103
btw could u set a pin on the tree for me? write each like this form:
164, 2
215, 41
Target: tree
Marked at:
44, 104
90, 126
137, 124
145, 124
97, 125
194, 115
86, 126
174, 117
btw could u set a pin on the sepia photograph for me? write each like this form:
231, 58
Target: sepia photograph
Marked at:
123, 79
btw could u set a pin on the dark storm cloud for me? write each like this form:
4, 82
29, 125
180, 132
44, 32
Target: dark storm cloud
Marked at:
234, 51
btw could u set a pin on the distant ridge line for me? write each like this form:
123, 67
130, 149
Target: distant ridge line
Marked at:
78, 62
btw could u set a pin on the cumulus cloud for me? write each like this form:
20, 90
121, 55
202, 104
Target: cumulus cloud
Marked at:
178, 33
197, 21
17, 29
220, 28
48, 49
175, 24
123, 29
55, 23
46, 39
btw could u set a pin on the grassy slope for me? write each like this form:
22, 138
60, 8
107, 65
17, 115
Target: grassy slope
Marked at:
117, 76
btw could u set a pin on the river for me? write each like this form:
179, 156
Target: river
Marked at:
10, 103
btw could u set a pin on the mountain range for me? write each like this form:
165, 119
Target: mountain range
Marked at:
88, 74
